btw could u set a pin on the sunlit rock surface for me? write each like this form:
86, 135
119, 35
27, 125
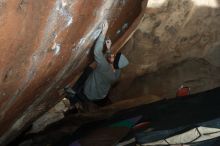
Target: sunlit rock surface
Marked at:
177, 43
44, 46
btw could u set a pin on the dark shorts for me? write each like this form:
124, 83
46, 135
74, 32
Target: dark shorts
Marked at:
102, 102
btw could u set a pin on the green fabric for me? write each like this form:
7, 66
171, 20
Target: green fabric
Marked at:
127, 123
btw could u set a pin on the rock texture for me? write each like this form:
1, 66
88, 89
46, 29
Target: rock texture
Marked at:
53, 115
178, 42
44, 46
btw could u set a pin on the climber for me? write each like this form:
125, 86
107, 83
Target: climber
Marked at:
95, 82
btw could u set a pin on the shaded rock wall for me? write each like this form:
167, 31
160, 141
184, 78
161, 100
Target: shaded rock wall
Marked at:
44, 46
178, 42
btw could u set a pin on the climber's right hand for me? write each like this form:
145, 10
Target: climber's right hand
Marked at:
104, 26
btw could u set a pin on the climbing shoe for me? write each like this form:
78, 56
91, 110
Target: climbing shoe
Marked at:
71, 95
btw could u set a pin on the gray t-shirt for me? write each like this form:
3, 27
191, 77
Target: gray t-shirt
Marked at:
100, 80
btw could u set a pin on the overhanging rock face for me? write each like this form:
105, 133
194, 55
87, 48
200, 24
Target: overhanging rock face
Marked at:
45, 44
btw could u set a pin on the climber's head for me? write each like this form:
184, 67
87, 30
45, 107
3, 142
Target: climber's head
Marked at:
119, 60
